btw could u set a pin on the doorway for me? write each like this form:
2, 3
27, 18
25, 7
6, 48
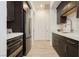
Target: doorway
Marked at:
41, 22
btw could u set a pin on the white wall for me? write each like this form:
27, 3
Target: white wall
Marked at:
53, 22
41, 24
3, 29
32, 19
53, 16
75, 21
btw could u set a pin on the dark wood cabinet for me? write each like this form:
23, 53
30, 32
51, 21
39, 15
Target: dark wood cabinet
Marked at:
69, 8
64, 46
15, 47
77, 9
59, 12
58, 17
16, 20
71, 48
62, 4
77, 12
55, 42
18, 23
59, 44
65, 8
63, 19
10, 11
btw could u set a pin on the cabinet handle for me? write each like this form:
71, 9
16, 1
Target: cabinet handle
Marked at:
69, 41
65, 48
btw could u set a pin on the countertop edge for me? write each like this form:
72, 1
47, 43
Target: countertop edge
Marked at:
72, 36
13, 35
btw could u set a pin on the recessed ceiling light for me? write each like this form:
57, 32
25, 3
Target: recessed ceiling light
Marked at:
42, 6
25, 6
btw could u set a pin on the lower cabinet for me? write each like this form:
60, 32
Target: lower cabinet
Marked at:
55, 42
15, 47
59, 44
64, 46
72, 48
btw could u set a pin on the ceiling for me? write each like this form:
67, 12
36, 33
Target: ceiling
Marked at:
40, 4
37, 5
25, 6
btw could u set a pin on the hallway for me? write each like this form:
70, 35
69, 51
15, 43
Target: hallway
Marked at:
42, 48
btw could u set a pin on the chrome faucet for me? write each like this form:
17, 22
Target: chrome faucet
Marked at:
71, 29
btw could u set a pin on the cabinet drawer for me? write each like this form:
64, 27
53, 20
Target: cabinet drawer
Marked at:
15, 53
9, 41
11, 49
13, 44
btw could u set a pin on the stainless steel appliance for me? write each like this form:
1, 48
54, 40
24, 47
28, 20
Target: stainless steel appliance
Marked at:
27, 33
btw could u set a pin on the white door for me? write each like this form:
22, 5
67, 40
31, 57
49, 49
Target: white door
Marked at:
41, 25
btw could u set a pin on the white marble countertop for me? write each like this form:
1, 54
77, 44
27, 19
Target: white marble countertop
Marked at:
12, 35
72, 35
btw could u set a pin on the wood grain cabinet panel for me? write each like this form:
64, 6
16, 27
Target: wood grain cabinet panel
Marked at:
60, 11
64, 46
13, 45
10, 11
72, 48
77, 9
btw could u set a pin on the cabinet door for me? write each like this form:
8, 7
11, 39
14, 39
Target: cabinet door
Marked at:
62, 46
72, 49
63, 19
59, 43
58, 17
77, 9
55, 41
60, 10
77, 12
10, 11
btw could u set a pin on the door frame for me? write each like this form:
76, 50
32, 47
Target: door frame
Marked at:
33, 21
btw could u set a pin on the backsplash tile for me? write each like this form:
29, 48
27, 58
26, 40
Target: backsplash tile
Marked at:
75, 21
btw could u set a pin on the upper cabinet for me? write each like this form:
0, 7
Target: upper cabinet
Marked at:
69, 8
77, 9
10, 11
65, 8
15, 15
60, 9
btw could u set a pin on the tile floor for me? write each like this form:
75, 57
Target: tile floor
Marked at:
42, 49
